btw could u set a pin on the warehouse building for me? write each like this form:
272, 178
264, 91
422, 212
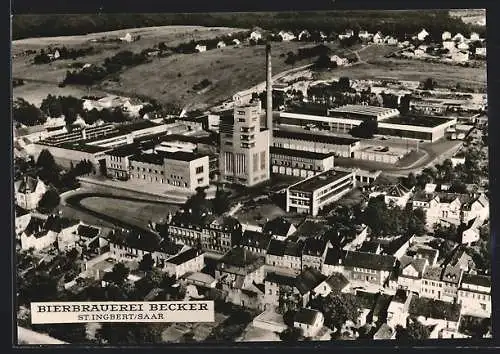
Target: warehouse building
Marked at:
325, 144
299, 162
312, 194
422, 128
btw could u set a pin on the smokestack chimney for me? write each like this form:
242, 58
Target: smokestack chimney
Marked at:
269, 92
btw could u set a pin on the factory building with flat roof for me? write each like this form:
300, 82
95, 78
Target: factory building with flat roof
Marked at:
319, 143
299, 162
312, 194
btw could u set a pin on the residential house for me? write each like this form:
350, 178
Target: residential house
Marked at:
446, 36
419, 52
436, 313
339, 60
458, 38
304, 35
42, 233
127, 38
309, 321
481, 51
450, 278
298, 289
397, 247
236, 42
347, 34
374, 306
463, 260
478, 207
378, 38
450, 208
470, 231
335, 283
81, 234
368, 267
279, 228
199, 279
397, 195
371, 247
285, 254
221, 44
474, 295
22, 220
397, 312
411, 273
241, 275
28, 192
364, 35
221, 234
191, 260
422, 35
390, 40
200, 48
474, 37
458, 159
463, 47
332, 262
255, 35
286, 36
432, 286
385, 332
313, 252
255, 242
450, 45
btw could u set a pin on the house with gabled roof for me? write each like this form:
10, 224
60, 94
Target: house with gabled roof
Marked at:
286, 36
335, 283
279, 228
221, 44
446, 36
397, 312
470, 231
298, 287
430, 254
200, 48
28, 192
422, 35
477, 207
42, 233
451, 278
431, 312
474, 294
368, 267
332, 262
385, 332
459, 38
285, 254
411, 272
304, 35
309, 321
313, 252
255, 35
255, 242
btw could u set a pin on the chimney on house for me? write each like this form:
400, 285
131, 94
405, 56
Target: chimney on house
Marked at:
269, 92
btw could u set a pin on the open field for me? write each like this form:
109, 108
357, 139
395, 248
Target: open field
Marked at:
137, 213
445, 75
55, 72
228, 69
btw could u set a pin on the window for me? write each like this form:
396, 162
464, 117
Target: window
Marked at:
200, 180
241, 120
199, 169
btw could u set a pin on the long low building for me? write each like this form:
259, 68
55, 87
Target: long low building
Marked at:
299, 162
312, 194
390, 122
325, 144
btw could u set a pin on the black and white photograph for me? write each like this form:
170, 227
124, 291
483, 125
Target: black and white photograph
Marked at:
294, 176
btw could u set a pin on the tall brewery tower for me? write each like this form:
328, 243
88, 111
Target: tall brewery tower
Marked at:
244, 145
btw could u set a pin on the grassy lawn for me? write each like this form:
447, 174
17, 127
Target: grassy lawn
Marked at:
137, 213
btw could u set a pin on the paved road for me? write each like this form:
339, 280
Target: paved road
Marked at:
27, 336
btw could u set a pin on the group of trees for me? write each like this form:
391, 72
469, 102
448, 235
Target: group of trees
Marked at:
392, 220
64, 53
26, 113
68, 106
307, 53
397, 23
278, 98
112, 65
338, 308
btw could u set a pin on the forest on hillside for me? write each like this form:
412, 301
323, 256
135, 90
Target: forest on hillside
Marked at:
401, 23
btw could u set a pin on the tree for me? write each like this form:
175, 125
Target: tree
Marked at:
27, 113
49, 201
221, 201
46, 160
146, 263
404, 106
429, 84
414, 331
344, 84
291, 334
37, 287
337, 308
118, 275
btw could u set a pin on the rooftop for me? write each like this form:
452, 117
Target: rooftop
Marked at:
284, 248
333, 255
308, 279
278, 226
433, 273
362, 109
307, 316
369, 261
435, 309
474, 279
428, 122
337, 281
240, 261
320, 138
184, 257
255, 239
87, 231
314, 246
313, 183
298, 153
